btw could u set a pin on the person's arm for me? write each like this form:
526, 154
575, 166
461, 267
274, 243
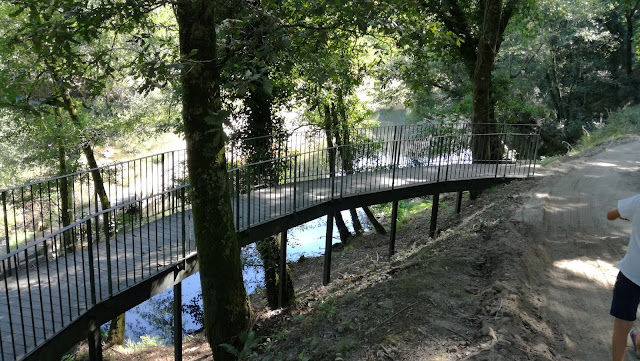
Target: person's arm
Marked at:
614, 214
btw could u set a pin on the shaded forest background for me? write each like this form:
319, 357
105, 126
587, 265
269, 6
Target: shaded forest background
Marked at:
566, 65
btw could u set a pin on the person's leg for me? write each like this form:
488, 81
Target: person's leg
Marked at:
621, 329
624, 305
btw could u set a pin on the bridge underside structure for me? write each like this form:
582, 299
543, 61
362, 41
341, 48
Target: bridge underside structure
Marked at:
67, 280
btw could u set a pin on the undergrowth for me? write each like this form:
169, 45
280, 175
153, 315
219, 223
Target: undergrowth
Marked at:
620, 124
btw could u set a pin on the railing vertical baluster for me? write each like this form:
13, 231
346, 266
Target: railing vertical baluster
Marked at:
124, 246
439, 153
107, 243
149, 237
248, 185
237, 194
535, 153
6, 291
162, 209
92, 279
58, 280
33, 319
184, 222
332, 170
295, 181
46, 260
6, 229
502, 146
394, 150
98, 247
24, 334
449, 141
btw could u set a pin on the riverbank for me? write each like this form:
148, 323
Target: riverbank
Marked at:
434, 297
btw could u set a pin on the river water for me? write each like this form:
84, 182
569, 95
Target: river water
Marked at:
154, 317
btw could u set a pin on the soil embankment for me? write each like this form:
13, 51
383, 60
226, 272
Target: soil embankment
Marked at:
523, 273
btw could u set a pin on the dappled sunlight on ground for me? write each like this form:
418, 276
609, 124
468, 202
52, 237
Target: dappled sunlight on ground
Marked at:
592, 269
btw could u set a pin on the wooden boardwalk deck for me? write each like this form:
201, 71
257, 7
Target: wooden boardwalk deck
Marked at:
44, 291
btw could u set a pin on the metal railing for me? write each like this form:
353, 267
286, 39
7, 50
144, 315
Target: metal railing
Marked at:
384, 158
59, 274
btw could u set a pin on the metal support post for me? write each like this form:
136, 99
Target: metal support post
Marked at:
327, 249
458, 202
434, 215
177, 321
94, 340
392, 233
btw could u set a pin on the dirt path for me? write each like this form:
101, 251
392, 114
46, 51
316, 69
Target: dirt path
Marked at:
566, 219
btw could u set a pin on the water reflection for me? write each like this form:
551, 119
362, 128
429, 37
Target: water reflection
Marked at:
154, 317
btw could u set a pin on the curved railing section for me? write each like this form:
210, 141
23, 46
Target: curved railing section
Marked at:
55, 270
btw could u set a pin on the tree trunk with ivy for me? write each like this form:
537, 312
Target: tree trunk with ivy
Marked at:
262, 124
118, 324
226, 306
269, 249
65, 200
485, 145
345, 235
343, 142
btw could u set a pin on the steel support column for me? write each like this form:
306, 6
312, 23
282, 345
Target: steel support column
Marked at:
392, 233
327, 249
177, 321
94, 340
434, 215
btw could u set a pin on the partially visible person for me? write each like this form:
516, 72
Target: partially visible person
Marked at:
626, 292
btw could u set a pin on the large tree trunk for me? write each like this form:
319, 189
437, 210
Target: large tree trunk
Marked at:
269, 249
261, 124
65, 201
226, 306
628, 41
98, 182
485, 145
357, 225
343, 142
117, 326
345, 234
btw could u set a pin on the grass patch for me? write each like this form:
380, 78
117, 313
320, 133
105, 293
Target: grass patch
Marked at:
619, 125
407, 208
145, 341
345, 345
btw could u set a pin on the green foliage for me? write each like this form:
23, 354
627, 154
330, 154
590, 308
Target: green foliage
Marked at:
407, 208
248, 341
145, 342
620, 124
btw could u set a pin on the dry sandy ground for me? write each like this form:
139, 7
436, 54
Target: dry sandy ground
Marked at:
566, 219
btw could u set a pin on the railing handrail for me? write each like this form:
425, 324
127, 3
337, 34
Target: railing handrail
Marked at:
391, 159
82, 172
84, 220
115, 164
320, 150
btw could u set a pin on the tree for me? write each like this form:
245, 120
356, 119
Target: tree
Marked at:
226, 308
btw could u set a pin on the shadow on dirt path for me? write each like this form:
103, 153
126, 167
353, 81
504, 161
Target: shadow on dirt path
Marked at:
566, 221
